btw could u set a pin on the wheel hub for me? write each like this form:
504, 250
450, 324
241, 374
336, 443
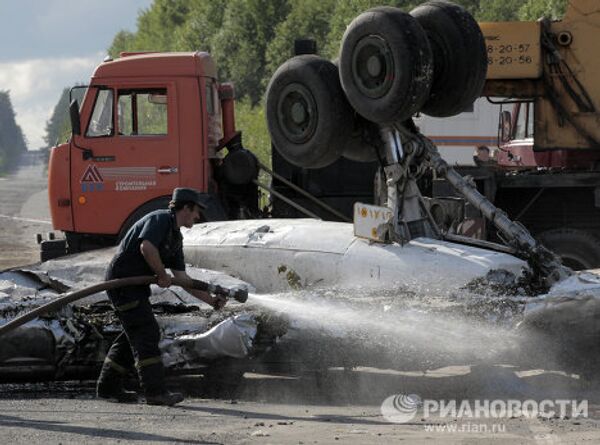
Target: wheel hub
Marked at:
297, 113
373, 66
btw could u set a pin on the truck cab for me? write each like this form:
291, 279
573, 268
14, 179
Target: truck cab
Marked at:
148, 122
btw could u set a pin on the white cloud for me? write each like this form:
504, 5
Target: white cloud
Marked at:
35, 86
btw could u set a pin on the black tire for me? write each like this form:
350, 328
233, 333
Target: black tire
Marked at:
307, 113
577, 249
459, 57
141, 211
386, 66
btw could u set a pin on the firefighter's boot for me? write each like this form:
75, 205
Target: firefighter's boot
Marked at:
110, 384
164, 398
152, 377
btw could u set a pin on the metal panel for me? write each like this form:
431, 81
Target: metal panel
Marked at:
371, 222
513, 49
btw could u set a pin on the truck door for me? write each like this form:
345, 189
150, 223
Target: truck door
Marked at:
132, 155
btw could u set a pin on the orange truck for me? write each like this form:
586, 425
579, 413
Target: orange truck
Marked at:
148, 122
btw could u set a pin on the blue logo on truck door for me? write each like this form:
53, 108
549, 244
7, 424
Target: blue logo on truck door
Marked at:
91, 180
125, 179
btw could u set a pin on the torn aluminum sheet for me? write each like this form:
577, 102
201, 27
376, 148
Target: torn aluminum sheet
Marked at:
576, 298
232, 337
74, 340
279, 254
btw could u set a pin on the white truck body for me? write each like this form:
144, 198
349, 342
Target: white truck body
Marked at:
457, 137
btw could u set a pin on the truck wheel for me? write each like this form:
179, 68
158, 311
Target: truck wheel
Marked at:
459, 57
386, 66
578, 249
140, 212
307, 113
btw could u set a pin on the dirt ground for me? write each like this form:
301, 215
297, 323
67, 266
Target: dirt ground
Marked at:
338, 407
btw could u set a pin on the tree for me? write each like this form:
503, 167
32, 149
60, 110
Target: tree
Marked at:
240, 46
58, 120
12, 142
498, 10
308, 19
155, 28
203, 23
534, 9
123, 41
158, 24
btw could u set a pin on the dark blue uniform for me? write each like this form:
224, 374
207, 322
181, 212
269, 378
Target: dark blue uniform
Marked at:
138, 343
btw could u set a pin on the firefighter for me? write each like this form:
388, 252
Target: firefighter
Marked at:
151, 245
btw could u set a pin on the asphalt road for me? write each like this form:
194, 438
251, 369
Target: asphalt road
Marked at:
338, 407
23, 213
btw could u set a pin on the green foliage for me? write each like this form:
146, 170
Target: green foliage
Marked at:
534, 9
253, 124
58, 127
309, 19
509, 10
65, 130
156, 27
498, 10
240, 46
58, 120
123, 41
203, 23
12, 142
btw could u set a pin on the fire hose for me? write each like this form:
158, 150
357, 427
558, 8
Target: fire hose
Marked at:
240, 295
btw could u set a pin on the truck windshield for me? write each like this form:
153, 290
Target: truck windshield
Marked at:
524, 121
143, 112
101, 123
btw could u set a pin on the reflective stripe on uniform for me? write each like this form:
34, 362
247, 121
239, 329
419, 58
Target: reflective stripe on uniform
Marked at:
149, 361
128, 306
120, 369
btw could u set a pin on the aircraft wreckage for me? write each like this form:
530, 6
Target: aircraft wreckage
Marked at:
395, 266
523, 287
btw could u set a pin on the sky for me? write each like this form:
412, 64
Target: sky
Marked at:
47, 45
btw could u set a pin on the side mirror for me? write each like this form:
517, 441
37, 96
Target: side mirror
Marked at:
505, 126
75, 119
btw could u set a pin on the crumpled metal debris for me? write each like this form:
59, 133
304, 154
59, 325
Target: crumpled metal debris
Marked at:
232, 337
74, 340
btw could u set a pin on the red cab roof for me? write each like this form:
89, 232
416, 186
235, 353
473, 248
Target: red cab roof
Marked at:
158, 64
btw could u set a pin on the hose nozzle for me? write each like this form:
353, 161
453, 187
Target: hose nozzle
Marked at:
240, 295
237, 294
